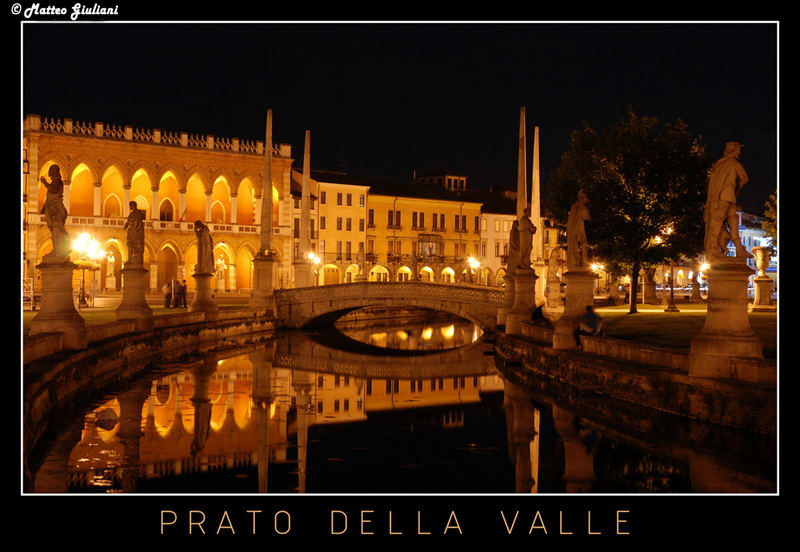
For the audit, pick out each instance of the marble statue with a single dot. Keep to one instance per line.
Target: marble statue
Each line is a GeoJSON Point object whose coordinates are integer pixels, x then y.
{"type": "Point", "coordinates": [205, 249]}
{"type": "Point", "coordinates": [576, 233]}
{"type": "Point", "coordinates": [725, 181]}
{"type": "Point", "coordinates": [526, 231]}
{"type": "Point", "coordinates": [55, 213]}
{"type": "Point", "coordinates": [554, 264]}
{"type": "Point", "coordinates": [512, 260]}
{"type": "Point", "coordinates": [135, 238]}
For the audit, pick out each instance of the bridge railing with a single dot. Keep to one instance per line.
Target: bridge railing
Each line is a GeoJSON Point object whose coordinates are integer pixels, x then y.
{"type": "Point", "coordinates": [461, 293]}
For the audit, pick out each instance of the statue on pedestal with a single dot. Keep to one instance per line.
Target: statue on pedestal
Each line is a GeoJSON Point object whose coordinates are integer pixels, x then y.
{"type": "Point", "coordinates": [56, 214]}
{"type": "Point", "coordinates": [135, 239]}
{"type": "Point", "coordinates": [576, 234]}
{"type": "Point", "coordinates": [526, 231]}
{"type": "Point", "coordinates": [512, 260]}
{"type": "Point", "coordinates": [725, 180]}
{"type": "Point", "coordinates": [205, 249]}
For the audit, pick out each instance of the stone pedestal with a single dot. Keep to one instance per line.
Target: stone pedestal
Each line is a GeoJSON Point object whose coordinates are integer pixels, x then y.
{"type": "Point", "coordinates": [539, 268]}
{"type": "Point", "coordinates": [579, 294]}
{"type": "Point", "coordinates": [303, 275]}
{"type": "Point", "coordinates": [58, 312]}
{"type": "Point", "coordinates": [726, 332]}
{"type": "Point", "coordinates": [762, 301]}
{"type": "Point", "coordinates": [134, 305]}
{"type": "Point", "coordinates": [203, 300]}
{"type": "Point", "coordinates": [508, 300]}
{"type": "Point", "coordinates": [553, 297]}
{"type": "Point", "coordinates": [524, 301]}
{"type": "Point", "coordinates": [263, 281]}
{"type": "Point", "coordinates": [649, 296]}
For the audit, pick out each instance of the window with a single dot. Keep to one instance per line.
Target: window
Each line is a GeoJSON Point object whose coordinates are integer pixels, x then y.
{"type": "Point", "coordinates": [457, 225]}
{"type": "Point", "coordinates": [361, 225]}
{"type": "Point", "coordinates": [463, 223]}
{"type": "Point", "coordinates": [338, 223]}
{"type": "Point", "coordinates": [349, 226]}
{"type": "Point", "coordinates": [496, 225]}
{"type": "Point", "coordinates": [371, 218]}
{"type": "Point", "coordinates": [441, 217]}
{"type": "Point", "coordinates": [477, 225]}
{"type": "Point", "coordinates": [422, 221]}
{"type": "Point", "coordinates": [338, 198]}
{"type": "Point", "coordinates": [336, 405]}
{"type": "Point", "coordinates": [435, 220]}
{"type": "Point", "coordinates": [414, 219]}
{"type": "Point", "coordinates": [496, 249]}
{"type": "Point", "coordinates": [390, 216]}
{"type": "Point", "coordinates": [397, 219]}
{"type": "Point", "coordinates": [322, 198]}
{"type": "Point", "coordinates": [361, 200]}
{"type": "Point", "coordinates": [296, 229]}
{"type": "Point", "coordinates": [369, 387]}
{"type": "Point", "coordinates": [349, 200]}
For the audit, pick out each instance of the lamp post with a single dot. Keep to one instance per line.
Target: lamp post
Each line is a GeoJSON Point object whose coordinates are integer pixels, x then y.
{"type": "Point", "coordinates": [90, 252]}
{"type": "Point", "coordinates": [315, 260]}
{"type": "Point", "coordinates": [473, 265]}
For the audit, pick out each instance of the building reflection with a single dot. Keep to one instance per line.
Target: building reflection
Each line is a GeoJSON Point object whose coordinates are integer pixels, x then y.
{"type": "Point", "coordinates": [249, 410]}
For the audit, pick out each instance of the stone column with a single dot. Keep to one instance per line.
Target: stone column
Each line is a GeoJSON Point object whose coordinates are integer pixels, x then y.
{"type": "Point", "coordinates": [762, 302]}
{"type": "Point", "coordinates": [579, 294]}
{"type": "Point", "coordinates": [67, 189]}
{"type": "Point", "coordinates": [58, 312]}
{"type": "Point", "coordinates": [726, 333]}
{"type": "Point", "coordinates": [234, 214]}
{"type": "Point", "coordinates": [208, 207]}
{"type": "Point", "coordinates": [130, 432]}
{"type": "Point", "coordinates": [302, 383]}
{"type": "Point", "coordinates": [523, 437]}
{"type": "Point", "coordinates": [303, 276]}
{"type": "Point", "coordinates": [202, 404]}
{"type": "Point", "coordinates": [126, 199]}
{"type": "Point", "coordinates": [97, 207]}
{"type": "Point", "coordinates": [578, 457]}
{"type": "Point", "coordinates": [262, 297]}
{"type": "Point", "coordinates": [154, 204]}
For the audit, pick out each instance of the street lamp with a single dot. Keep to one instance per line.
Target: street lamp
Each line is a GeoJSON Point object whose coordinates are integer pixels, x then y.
{"type": "Point", "coordinates": [473, 265]}
{"type": "Point", "coordinates": [90, 253]}
{"type": "Point", "coordinates": [315, 260]}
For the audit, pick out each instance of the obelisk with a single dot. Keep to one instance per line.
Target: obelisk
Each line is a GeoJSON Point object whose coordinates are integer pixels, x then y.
{"type": "Point", "coordinates": [262, 297]}
{"type": "Point", "coordinates": [524, 278]}
{"type": "Point", "coordinates": [539, 260]}
{"type": "Point", "coordinates": [508, 300]}
{"type": "Point", "coordinates": [302, 266]}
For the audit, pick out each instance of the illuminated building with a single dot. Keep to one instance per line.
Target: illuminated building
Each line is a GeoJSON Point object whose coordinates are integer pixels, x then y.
{"type": "Point", "coordinates": [429, 228]}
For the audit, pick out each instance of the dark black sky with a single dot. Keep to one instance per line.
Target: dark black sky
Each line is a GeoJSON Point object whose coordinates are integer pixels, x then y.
{"type": "Point", "coordinates": [388, 99]}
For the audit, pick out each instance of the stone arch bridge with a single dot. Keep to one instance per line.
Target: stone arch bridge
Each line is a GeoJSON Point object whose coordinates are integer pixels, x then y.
{"type": "Point", "coordinates": [303, 307]}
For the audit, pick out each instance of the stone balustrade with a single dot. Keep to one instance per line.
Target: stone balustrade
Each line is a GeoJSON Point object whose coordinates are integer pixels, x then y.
{"type": "Point", "coordinates": [149, 136]}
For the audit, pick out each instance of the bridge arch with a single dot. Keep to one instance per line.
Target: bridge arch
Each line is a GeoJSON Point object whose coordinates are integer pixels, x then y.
{"type": "Point", "coordinates": [299, 307]}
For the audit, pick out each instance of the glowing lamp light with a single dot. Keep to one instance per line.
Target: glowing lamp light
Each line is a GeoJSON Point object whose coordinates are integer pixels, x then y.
{"type": "Point", "coordinates": [473, 263]}
{"type": "Point", "coordinates": [448, 331]}
{"type": "Point", "coordinates": [427, 333]}
{"type": "Point", "coordinates": [704, 267]}
{"type": "Point", "coordinates": [313, 258]}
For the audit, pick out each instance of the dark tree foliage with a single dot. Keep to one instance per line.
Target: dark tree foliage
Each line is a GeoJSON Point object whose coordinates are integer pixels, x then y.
{"type": "Point", "coordinates": [646, 187]}
{"type": "Point", "coordinates": [770, 224]}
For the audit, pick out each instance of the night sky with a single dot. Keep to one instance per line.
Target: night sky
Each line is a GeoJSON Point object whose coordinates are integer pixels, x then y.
{"type": "Point", "coordinates": [384, 99]}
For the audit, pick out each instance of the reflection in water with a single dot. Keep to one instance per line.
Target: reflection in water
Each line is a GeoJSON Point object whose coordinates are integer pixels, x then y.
{"type": "Point", "coordinates": [296, 415]}
{"type": "Point", "coordinates": [413, 329]}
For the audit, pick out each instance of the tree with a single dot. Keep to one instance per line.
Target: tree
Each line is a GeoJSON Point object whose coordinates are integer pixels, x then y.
{"type": "Point", "coordinates": [770, 224]}
{"type": "Point", "coordinates": [646, 188]}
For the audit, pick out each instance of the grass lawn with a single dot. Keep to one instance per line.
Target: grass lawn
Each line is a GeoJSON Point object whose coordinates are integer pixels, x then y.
{"type": "Point", "coordinates": [676, 329]}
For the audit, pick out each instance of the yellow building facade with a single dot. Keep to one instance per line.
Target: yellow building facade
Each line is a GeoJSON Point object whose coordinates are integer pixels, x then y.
{"type": "Point", "coordinates": [360, 228]}
{"type": "Point", "coordinates": [175, 178]}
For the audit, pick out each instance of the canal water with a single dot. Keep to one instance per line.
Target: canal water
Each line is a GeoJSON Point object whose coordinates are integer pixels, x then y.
{"type": "Point", "coordinates": [383, 403]}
